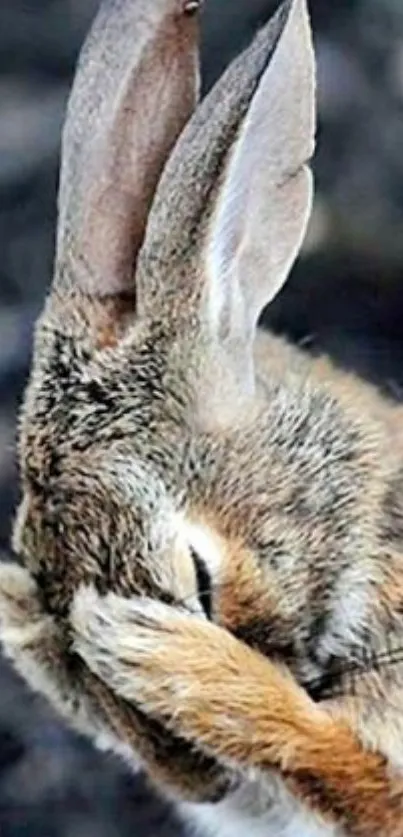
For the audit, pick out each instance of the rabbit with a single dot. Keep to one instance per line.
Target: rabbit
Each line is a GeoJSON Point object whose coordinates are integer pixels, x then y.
{"type": "Point", "coordinates": [210, 530]}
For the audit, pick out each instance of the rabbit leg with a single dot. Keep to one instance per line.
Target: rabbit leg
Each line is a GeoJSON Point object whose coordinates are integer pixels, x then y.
{"type": "Point", "coordinates": [36, 644]}
{"type": "Point", "coordinates": [32, 639]}
{"type": "Point", "coordinates": [215, 691]}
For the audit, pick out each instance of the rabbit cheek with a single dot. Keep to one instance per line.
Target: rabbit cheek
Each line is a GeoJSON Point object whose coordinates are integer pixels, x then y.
{"type": "Point", "coordinates": [238, 591]}
{"type": "Point", "coordinates": [245, 598]}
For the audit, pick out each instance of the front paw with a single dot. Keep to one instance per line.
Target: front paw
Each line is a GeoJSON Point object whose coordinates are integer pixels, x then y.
{"type": "Point", "coordinates": [19, 598]}
{"type": "Point", "coordinates": [147, 652]}
{"type": "Point", "coordinates": [26, 631]}
{"type": "Point", "coordinates": [193, 677]}
{"type": "Point", "coordinates": [33, 640]}
{"type": "Point", "coordinates": [187, 673]}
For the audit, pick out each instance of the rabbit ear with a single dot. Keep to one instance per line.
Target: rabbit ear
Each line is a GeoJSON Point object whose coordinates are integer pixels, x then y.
{"type": "Point", "coordinates": [231, 208]}
{"type": "Point", "coordinates": [135, 88]}
{"type": "Point", "coordinates": [264, 201]}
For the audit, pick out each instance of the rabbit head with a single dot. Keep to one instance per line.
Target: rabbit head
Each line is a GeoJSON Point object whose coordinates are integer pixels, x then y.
{"type": "Point", "coordinates": [154, 459]}
{"type": "Point", "coordinates": [144, 353]}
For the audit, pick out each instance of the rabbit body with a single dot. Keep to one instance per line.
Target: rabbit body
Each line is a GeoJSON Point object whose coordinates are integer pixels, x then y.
{"type": "Point", "coordinates": [211, 521]}
{"type": "Point", "coordinates": [320, 479]}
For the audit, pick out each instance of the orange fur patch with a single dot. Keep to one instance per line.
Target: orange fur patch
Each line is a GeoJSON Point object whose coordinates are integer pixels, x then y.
{"type": "Point", "coordinates": [257, 716]}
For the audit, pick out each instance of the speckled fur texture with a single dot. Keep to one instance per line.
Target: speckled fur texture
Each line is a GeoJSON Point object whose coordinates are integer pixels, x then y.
{"type": "Point", "coordinates": [211, 523]}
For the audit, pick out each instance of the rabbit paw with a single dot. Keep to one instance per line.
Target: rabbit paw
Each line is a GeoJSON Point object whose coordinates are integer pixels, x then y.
{"type": "Point", "coordinates": [173, 665]}
{"type": "Point", "coordinates": [19, 601]}
{"type": "Point", "coordinates": [190, 674]}
{"type": "Point", "coordinates": [146, 651]}
{"type": "Point", "coordinates": [32, 640]}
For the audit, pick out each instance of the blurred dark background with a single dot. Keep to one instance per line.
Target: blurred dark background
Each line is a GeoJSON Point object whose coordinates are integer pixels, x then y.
{"type": "Point", "coordinates": [345, 297]}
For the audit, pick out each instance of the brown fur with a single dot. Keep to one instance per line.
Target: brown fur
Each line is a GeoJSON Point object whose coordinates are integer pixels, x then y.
{"type": "Point", "coordinates": [257, 717]}
{"type": "Point", "coordinates": [151, 433]}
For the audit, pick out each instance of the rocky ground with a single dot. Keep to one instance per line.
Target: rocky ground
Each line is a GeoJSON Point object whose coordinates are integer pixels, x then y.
{"type": "Point", "coordinates": [345, 297]}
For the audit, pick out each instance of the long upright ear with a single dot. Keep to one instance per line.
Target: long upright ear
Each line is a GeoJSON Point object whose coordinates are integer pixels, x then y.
{"type": "Point", "coordinates": [264, 202]}
{"type": "Point", "coordinates": [135, 88]}
{"type": "Point", "coordinates": [231, 208]}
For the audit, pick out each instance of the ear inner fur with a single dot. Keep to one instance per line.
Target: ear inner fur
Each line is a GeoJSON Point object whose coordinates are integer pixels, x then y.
{"type": "Point", "coordinates": [186, 193]}
{"type": "Point", "coordinates": [135, 88]}
{"type": "Point", "coordinates": [265, 199]}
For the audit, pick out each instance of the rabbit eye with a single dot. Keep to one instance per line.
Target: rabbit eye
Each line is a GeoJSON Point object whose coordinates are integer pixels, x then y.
{"type": "Point", "coordinates": [203, 579]}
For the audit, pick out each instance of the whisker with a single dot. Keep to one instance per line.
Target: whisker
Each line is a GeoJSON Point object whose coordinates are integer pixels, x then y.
{"type": "Point", "coordinates": [369, 662]}
{"type": "Point", "coordinates": [373, 663]}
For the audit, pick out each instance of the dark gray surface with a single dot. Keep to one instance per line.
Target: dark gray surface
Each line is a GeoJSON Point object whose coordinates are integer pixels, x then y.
{"type": "Point", "coordinates": [345, 296]}
{"type": "Point", "coordinates": [53, 784]}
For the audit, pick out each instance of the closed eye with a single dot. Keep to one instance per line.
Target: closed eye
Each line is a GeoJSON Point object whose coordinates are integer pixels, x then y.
{"type": "Point", "coordinates": [204, 586]}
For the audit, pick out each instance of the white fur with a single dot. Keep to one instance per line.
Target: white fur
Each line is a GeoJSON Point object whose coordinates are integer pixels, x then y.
{"type": "Point", "coordinates": [27, 636]}
{"type": "Point", "coordinates": [265, 202]}
{"type": "Point", "coordinates": [257, 810]}
{"type": "Point", "coordinates": [204, 543]}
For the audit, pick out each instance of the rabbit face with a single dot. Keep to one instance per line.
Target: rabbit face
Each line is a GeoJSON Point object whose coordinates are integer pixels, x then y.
{"type": "Point", "coordinates": [144, 353]}
{"type": "Point", "coordinates": [130, 486]}
{"type": "Point", "coordinates": [157, 458]}
{"type": "Point", "coordinates": [97, 502]}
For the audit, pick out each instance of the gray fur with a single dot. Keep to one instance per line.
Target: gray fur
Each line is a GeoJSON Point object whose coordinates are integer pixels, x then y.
{"type": "Point", "coordinates": [139, 439]}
